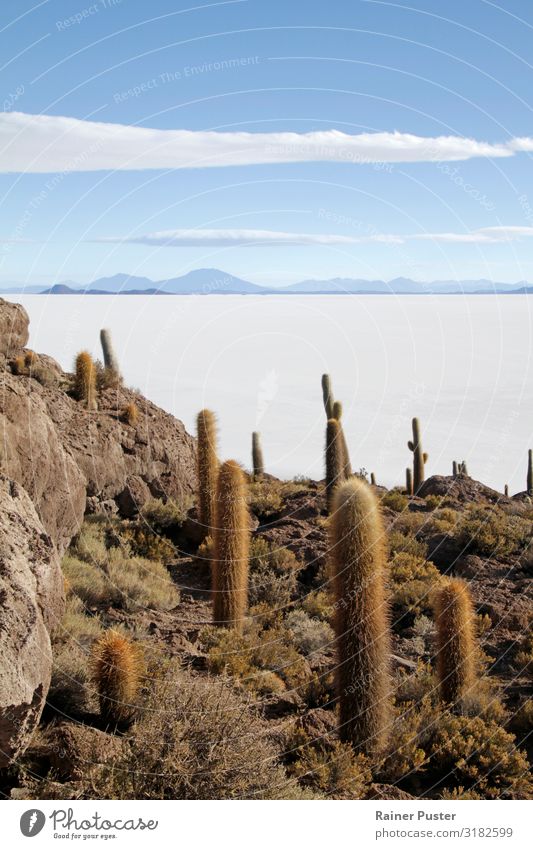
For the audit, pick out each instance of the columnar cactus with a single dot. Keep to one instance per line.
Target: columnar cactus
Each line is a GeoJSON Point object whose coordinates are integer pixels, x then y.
{"type": "Point", "coordinates": [408, 481]}
{"type": "Point", "coordinates": [463, 468]}
{"type": "Point", "coordinates": [454, 469]}
{"type": "Point", "coordinates": [110, 358]}
{"type": "Point", "coordinates": [347, 465]}
{"type": "Point", "coordinates": [506, 490]}
{"type": "Point", "coordinates": [372, 479]}
{"type": "Point", "coordinates": [85, 380]}
{"type": "Point", "coordinates": [456, 643]}
{"type": "Point", "coordinates": [335, 459]}
{"type": "Point", "coordinates": [231, 548]}
{"type": "Point", "coordinates": [207, 467]}
{"type": "Point", "coordinates": [327, 394]}
{"type": "Point", "coordinates": [530, 472]}
{"type": "Point", "coordinates": [419, 457]}
{"type": "Point", "coordinates": [357, 538]}
{"type": "Point", "coordinates": [257, 455]}
{"type": "Point", "coordinates": [116, 667]}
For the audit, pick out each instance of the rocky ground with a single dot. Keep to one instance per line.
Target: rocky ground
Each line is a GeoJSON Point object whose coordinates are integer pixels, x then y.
{"type": "Point", "coordinates": [219, 715]}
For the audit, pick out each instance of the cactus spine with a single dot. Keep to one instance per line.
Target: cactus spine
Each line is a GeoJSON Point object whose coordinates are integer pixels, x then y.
{"type": "Point", "coordinates": [110, 358]}
{"type": "Point", "coordinates": [419, 457]}
{"type": "Point", "coordinates": [116, 670]}
{"type": "Point", "coordinates": [207, 467]}
{"type": "Point", "coordinates": [257, 455]}
{"type": "Point", "coordinates": [85, 380]}
{"type": "Point", "coordinates": [456, 644]}
{"type": "Point", "coordinates": [327, 395]}
{"type": "Point", "coordinates": [408, 481]}
{"type": "Point", "coordinates": [363, 635]}
{"type": "Point", "coordinates": [530, 472]}
{"type": "Point", "coordinates": [231, 548]}
{"type": "Point", "coordinates": [335, 460]}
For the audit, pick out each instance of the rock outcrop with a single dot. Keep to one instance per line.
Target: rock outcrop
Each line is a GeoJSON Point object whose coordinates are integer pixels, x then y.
{"type": "Point", "coordinates": [31, 592]}
{"type": "Point", "coordinates": [57, 462]}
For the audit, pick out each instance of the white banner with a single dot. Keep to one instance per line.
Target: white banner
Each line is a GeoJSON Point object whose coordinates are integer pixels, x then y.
{"type": "Point", "coordinates": [256, 824]}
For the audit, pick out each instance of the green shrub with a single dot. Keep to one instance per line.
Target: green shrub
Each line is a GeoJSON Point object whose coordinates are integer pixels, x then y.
{"type": "Point", "coordinates": [400, 542]}
{"type": "Point", "coordinates": [395, 500]}
{"type": "Point", "coordinates": [328, 767]}
{"type": "Point", "coordinates": [162, 516]}
{"type": "Point", "coordinates": [265, 497]}
{"type": "Point", "coordinates": [492, 533]}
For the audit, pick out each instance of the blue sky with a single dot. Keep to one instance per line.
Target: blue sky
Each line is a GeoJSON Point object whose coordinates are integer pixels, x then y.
{"type": "Point", "coordinates": [450, 196]}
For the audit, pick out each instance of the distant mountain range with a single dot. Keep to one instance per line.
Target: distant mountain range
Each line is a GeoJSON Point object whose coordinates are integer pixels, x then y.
{"type": "Point", "coordinates": [212, 281]}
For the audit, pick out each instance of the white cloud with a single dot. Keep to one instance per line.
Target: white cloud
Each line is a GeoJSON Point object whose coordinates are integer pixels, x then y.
{"type": "Point", "coordinates": [241, 238]}
{"type": "Point", "coordinates": [257, 238]}
{"type": "Point", "coordinates": [46, 143]}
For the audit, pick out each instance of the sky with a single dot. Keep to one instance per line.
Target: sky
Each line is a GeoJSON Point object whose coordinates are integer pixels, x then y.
{"type": "Point", "coordinates": [277, 141]}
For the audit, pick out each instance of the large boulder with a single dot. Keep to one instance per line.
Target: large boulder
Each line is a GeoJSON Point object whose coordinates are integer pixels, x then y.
{"type": "Point", "coordinates": [14, 324]}
{"type": "Point", "coordinates": [31, 593]}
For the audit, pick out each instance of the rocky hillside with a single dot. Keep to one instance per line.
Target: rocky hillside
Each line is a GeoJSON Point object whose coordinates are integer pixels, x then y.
{"type": "Point", "coordinates": [58, 463]}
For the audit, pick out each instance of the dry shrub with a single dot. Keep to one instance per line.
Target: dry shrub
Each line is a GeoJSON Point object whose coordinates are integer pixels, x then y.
{"type": "Point", "coordinates": [492, 533]}
{"type": "Point", "coordinates": [164, 516]}
{"type": "Point", "coordinates": [70, 690]}
{"type": "Point", "coordinates": [407, 543]}
{"type": "Point", "coordinates": [309, 635]}
{"type": "Point", "coordinates": [319, 605]}
{"type": "Point", "coordinates": [197, 739]}
{"type": "Point", "coordinates": [395, 500]}
{"type": "Point", "coordinates": [145, 543]}
{"type": "Point", "coordinates": [328, 767]}
{"type": "Point", "coordinates": [413, 580]}
{"type": "Point", "coordinates": [265, 497]}
{"type": "Point", "coordinates": [273, 574]}
{"type": "Point", "coordinates": [130, 414]}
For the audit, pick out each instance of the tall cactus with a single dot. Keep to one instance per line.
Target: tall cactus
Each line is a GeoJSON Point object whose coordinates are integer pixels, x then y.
{"type": "Point", "coordinates": [327, 395]}
{"type": "Point", "coordinates": [419, 457]}
{"type": "Point", "coordinates": [530, 472]}
{"type": "Point", "coordinates": [456, 643]}
{"type": "Point", "coordinates": [257, 455]}
{"type": "Point", "coordinates": [372, 479]}
{"type": "Point", "coordinates": [116, 668]}
{"type": "Point", "coordinates": [110, 357]}
{"type": "Point", "coordinates": [347, 465]}
{"type": "Point", "coordinates": [231, 548]}
{"type": "Point", "coordinates": [357, 538]}
{"type": "Point", "coordinates": [85, 380]}
{"type": "Point", "coordinates": [454, 469]}
{"type": "Point", "coordinates": [506, 490]}
{"type": "Point", "coordinates": [207, 467]}
{"type": "Point", "coordinates": [335, 459]}
{"type": "Point", "coordinates": [408, 481]}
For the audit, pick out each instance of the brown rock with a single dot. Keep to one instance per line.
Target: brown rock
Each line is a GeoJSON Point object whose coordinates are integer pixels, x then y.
{"type": "Point", "coordinates": [133, 497]}
{"type": "Point", "coordinates": [74, 750]}
{"type": "Point", "coordinates": [461, 489]}
{"type": "Point", "coordinates": [31, 592]}
{"type": "Point", "coordinates": [14, 332]}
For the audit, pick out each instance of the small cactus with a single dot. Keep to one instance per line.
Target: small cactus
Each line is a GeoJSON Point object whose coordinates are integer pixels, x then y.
{"type": "Point", "coordinates": [85, 380]}
{"type": "Point", "coordinates": [530, 472]}
{"type": "Point", "coordinates": [327, 394]}
{"type": "Point", "coordinates": [230, 548]}
{"type": "Point", "coordinates": [110, 358]}
{"type": "Point", "coordinates": [419, 457]}
{"type": "Point", "coordinates": [116, 667]}
{"type": "Point", "coordinates": [130, 414]}
{"type": "Point", "coordinates": [506, 490]}
{"type": "Point", "coordinates": [335, 459]}
{"type": "Point", "coordinates": [357, 538]}
{"type": "Point", "coordinates": [257, 455]}
{"type": "Point", "coordinates": [207, 467]}
{"type": "Point", "coordinates": [372, 479]}
{"type": "Point", "coordinates": [408, 481]}
{"type": "Point", "coordinates": [456, 644]}
{"type": "Point", "coordinates": [454, 469]}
